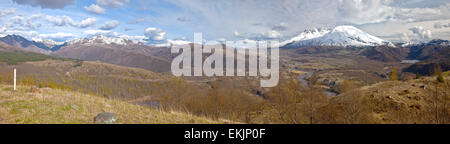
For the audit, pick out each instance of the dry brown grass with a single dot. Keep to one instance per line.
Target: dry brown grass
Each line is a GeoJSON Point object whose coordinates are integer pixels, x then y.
{"type": "Point", "coordinates": [400, 102]}
{"type": "Point", "coordinates": [52, 106]}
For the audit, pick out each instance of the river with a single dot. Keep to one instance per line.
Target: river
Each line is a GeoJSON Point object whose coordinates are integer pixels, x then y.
{"type": "Point", "coordinates": [304, 82]}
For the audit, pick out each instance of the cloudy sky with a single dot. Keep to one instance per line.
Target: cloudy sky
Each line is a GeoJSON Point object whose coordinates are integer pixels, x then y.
{"type": "Point", "coordinates": [154, 21]}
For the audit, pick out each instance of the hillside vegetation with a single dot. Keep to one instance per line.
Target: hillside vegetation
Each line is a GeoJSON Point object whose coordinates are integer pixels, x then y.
{"type": "Point", "coordinates": [75, 91]}
{"type": "Point", "coordinates": [423, 100]}
{"type": "Point", "coordinates": [53, 106]}
{"type": "Point", "coordinates": [95, 78]}
{"type": "Point", "coordinates": [16, 57]}
{"type": "Point", "coordinates": [409, 101]}
{"type": "Point", "coordinates": [136, 86]}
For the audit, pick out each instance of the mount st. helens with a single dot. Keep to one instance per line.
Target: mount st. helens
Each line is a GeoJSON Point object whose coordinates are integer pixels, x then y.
{"type": "Point", "coordinates": [340, 36]}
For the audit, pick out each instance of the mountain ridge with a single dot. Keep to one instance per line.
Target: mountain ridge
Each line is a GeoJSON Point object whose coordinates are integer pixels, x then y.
{"type": "Point", "coordinates": [19, 41]}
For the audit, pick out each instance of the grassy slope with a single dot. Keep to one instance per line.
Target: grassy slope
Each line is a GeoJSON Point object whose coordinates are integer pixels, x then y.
{"type": "Point", "coordinates": [398, 101]}
{"type": "Point", "coordinates": [90, 77]}
{"type": "Point", "coordinates": [16, 57]}
{"type": "Point", "coordinates": [57, 106]}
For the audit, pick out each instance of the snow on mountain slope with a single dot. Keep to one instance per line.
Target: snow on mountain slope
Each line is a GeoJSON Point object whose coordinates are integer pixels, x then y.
{"type": "Point", "coordinates": [101, 39]}
{"type": "Point", "coordinates": [48, 42]}
{"type": "Point", "coordinates": [339, 36]}
{"type": "Point", "coordinates": [307, 34]}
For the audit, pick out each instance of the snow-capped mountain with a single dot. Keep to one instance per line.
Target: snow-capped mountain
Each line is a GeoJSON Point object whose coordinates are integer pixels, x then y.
{"type": "Point", "coordinates": [407, 44]}
{"type": "Point", "coordinates": [48, 42]}
{"type": "Point", "coordinates": [306, 35]}
{"type": "Point", "coordinates": [101, 39]}
{"type": "Point", "coordinates": [340, 36]}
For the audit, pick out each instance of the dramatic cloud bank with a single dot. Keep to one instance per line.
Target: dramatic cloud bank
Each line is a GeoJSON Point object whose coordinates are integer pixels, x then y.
{"type": "Point", "coordinates": [159, 20]}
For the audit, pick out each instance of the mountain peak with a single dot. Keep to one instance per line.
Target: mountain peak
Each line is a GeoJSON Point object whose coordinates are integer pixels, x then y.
{"type": "Point", "coordinates": [307, 34]}
{"type": "Point", "coordinates": [344, 35]}
{"type": "Point", "coordinates": [346, 28]}
{"type": "Point", "coordinates": [16, 40]}
{"type": "Point", "coordinates": [15, 37]}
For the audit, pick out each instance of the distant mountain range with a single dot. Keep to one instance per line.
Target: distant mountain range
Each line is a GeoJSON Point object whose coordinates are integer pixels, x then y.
{"type": "Point", "coordinates": [118, 51]}
{"type": "Point", "coordinates": [339, 36]}
{"type": "Point", "coordinates": [122, 51]}
{"type": "Point", "coordinates": [19, 41]}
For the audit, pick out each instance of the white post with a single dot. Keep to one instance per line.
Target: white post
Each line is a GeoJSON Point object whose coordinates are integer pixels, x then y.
{"type": "Point", "coordinates": [14, 79]}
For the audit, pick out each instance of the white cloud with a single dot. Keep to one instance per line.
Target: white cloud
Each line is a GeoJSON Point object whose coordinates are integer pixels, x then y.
{"type": "Point", "coordinates": [66, 20]}
{"type": "Point", "coordinates": [112, 3]}
{"type": "Point", "coordinates": [93, 8]}
{"type": "Point", "coordinates": [24, 25]}
{"type": "Point", "coordinates": [134, 38]}
{"type": "Point", "coordinates": [246, 43]}
{"type": "Point", "coordinates": [368, 11]}
{"type": "Point", "coordinates": [85, 23]}
{"type": "Point", "coordinates": [51, 4]}
{"type": "Point", "coordinates": [236, 34]}
{"type": "Point", "coordinates": [109, 25]}
{"type": "Point", "coordinates": [376, 11]}
{"type": "Point", "coordinates": [273, 34]}
{"type": "Point", "coordinates": [178, 42]}
{"type": "Point", "coordinates": [58, 35]}
{"type": "Point", "coordinates": [100, 32]}
{"type": "Point", "coordinates": [405, 37]}
{"type": "Point", "coordinates": [7, 11]}
{"type": "Point", "coordinates": [26, 34]}
{"type": "Point", "coordinates": [34, 35]}
{"type": "Point", "coordinates": [222, 18]}
{"type": "Point", "coordinates": [255, 19]}
{"type": "Point", "coordinates": [58, 20]}
{"type": "Point", "coordinates": [17, 19]}
{"type": "Point", "coordinates": [3, 29]}
{"type": "Point", "coordinates": [36, 16]}
{"type": "Point", "coordinates": [155, 34]}
{"type": "Point", "coordinates": [421, 32]}
{"type": "Point", "coordinates": [419, 14]}
{"type": "Point", "coordinates": [25, 22]}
